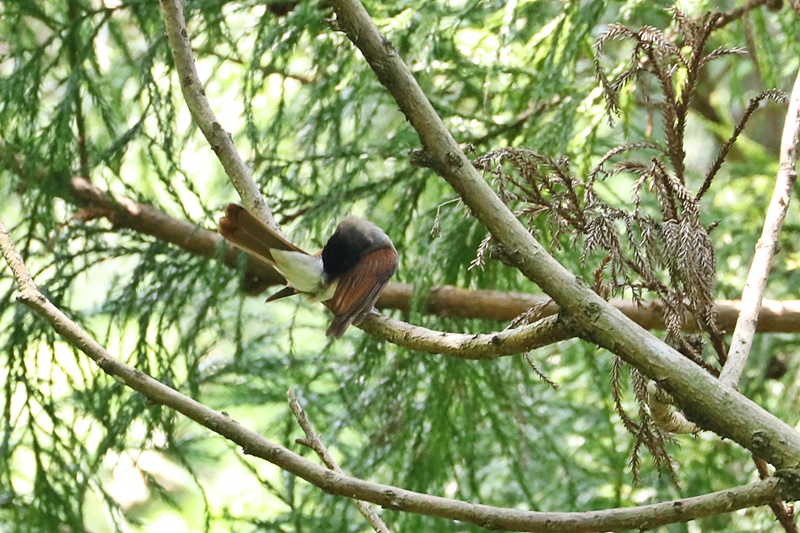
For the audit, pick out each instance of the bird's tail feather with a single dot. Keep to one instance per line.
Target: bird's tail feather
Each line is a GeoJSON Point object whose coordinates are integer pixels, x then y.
{"type": "Point", "coordinates": [244, 230]}
{"type": "Point", "coordinates": [283, 293]}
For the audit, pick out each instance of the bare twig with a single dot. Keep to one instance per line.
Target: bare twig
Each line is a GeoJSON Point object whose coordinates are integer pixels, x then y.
{"type": "Point", "coordinates": [644, 517]}
{"type": "Point", "coordinates": [721, 409]}
{"type": "Point", "coordinates": [756, 283]}
{"type": "Point", "coordinates": [737, 13]}
{"type": "Point", "coordinates": [767, 245]}
{"type": "Point", "coordinates": [73, 40]}
{"type": "Point", "coordinates": [202, 114]}
{"type": "Point", "coordinates": [314, 441]}
{"type": "Point", "coordinates": [784, 515]}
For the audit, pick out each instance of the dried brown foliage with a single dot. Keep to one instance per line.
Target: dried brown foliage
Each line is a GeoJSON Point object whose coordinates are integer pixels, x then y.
{"type": "Point", "coordinates": [657, 244]}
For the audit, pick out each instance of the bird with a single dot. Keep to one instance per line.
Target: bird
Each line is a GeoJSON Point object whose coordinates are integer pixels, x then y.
{"type": "Point", "coordinates": [349, 273]}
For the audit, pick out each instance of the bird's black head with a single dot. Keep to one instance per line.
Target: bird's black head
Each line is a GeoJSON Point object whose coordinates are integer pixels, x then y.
{"type": "Point", "coordinates": [353, 239]}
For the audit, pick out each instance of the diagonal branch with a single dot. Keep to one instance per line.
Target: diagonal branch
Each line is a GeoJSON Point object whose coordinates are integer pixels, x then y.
{"type": "Point", "coordinates": [767, 245]}
{"type": "Point", "coordinates": [314, 441]}
{"type": "Point", "coordinates": [720, 409]}
{"type": "Point", "coordinates": [202, 114]}
{"type": "Point", "coordinates": [644, 517]}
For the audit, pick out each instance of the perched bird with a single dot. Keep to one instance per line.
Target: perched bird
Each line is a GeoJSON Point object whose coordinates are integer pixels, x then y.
{"type": "Point", "coordinates": [351, 270]}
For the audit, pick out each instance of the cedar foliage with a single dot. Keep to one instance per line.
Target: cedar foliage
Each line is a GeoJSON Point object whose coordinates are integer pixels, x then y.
{"type": "Point", "coordinates": [664, 254]}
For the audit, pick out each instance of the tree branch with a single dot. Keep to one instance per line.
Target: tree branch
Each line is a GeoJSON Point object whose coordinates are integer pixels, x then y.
{"type": "Point", "coordinates": [547, 331]}
{"type": "Point", "coordinates": [143, 218]}
{"type": "Point", "coordinates": [644, 517]}
{"type": "Point", "coordinates": [784, 515]}
{"type": "Point", "coordinates": [711, 406]}
{"type": "Point", "coordinates": [314, 441]}
{"type": "Point", "coordinates": [775, 316]}
{"type": "Point", "coordinates": [767, 245]}
{"type": "Point", "coordinates": [202, 114]}
{"type": "Point", "coordinates": [737, 13]}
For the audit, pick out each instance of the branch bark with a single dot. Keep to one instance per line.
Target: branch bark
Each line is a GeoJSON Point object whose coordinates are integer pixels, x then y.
{"type": "Point", "coordinates": [703, 398]}
{"type": "Point", "coordinates": [774, 317]}
{"type": "Point", "coordinates": [767, 245]}
{"type": "Point", "coordinates": [472, 346]}
{"type": "Point", "coordinates": [644, 517]}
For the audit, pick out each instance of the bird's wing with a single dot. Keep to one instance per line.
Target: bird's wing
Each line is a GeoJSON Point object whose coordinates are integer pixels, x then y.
{"type": "Point", "coordinates": [359, 288]}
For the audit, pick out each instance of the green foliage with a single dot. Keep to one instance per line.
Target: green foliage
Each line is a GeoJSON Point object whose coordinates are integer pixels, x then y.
{"type": "Point", "coordinates": [88, 89]}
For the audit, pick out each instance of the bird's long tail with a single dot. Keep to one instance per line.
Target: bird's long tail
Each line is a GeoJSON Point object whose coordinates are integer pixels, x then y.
{"type": "Point", "coordinates": [244, 230]}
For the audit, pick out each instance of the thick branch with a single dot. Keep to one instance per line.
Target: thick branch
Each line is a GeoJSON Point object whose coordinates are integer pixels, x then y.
{"type": "Point", "coordinates": [707, 403]}
{"type": "Point", "coordinates": [775, 316]}
{"type": "Point", "coordinates": [195, 96]}
{"type": "Point", "coordinates": [644, 517]}
{"type": "Point", "coordinates": [767, 245]}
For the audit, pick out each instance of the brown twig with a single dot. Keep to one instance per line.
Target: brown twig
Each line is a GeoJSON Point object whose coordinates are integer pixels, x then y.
{"type": "Point", "coordinates": [644, 517]}
{"type": "Point", "coordinates": [767, 245]}
{"type": "Point", "coordinates": [734, 14]}
{"type": "Point", "coordinates": [124, 212]}
{"type": "Point", "coordinates": [73, 39]}
{"type": "Point", "coordinates": [313, 440]}
{"type": "Point", "coordinates": [785, 516]}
